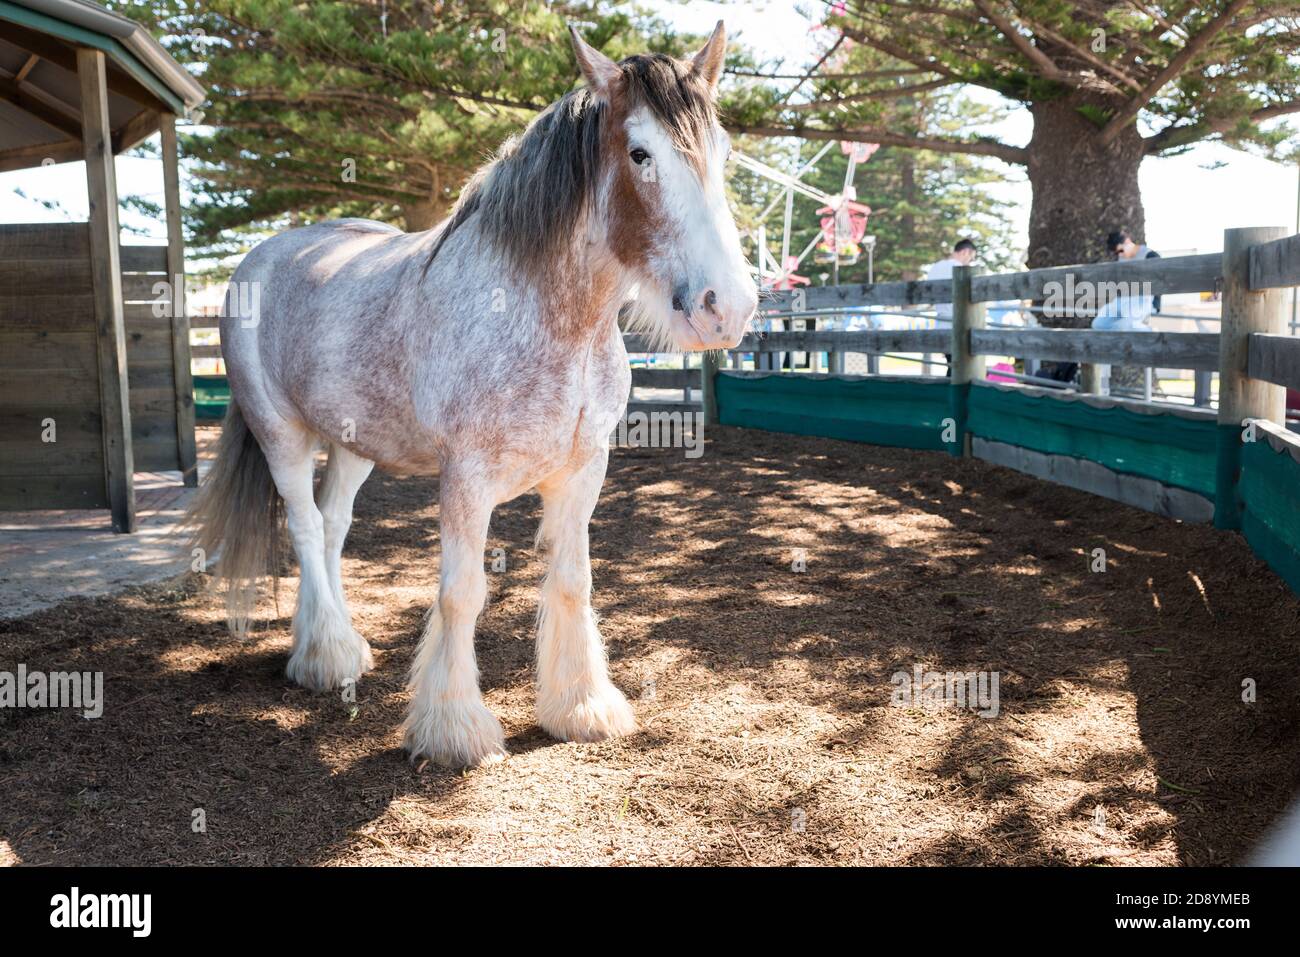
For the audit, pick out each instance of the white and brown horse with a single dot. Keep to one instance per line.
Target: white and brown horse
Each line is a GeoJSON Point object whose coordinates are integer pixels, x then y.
{"type": "Point", "coordinates": [486, 351]}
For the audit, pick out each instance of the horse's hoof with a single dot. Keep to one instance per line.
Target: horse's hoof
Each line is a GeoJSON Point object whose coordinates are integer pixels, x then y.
{"type": "Point", "coordinates": [454, 735]}
{"type": "Point", "coordinates": [323, 665]}
{"type": "Point", "coordinates": [599, 713]}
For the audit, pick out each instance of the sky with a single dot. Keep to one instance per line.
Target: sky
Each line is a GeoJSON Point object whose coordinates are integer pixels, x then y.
{"type": "Point", "coordinates": [1189, 199]}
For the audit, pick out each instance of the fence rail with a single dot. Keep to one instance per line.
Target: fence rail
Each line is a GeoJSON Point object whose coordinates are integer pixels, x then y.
{"type": "Point", "coordinates": [1174, 350]}
{"type": "Point", "coordinates": [1275, 265]}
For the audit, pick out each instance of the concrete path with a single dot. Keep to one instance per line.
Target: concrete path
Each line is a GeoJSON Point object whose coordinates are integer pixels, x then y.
{"type": "Point", "coordinates": [49, 556]}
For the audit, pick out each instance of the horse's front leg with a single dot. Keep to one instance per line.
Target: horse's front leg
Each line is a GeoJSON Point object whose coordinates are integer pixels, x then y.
{"type": "Point", "coordinates": [447, 721]}
{"type": "Point", "coordinates": [576, 701]}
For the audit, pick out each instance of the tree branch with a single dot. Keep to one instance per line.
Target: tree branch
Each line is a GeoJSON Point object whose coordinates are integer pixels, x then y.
{"type": "Point", "coordinates": [1002, 151]}
{"type": "Point", "coordinates": [885, 94]}
{"type": "Point", "coordinates": [1177, 64]}
{"type": "Point", "coordinates": [1172, 137]}
{"type": "Point", "coordinates": [1045, 64]}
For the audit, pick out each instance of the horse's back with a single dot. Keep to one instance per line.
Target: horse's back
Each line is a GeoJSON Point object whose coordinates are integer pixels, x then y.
{"type": "Point", "coordinates": [308, 325]}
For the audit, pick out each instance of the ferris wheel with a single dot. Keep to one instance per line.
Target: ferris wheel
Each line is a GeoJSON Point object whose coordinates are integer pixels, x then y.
{"type": "Point", "coordinates": [843, 220]}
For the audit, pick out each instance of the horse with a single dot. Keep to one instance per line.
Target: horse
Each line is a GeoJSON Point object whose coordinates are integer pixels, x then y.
{"type": "Point", "coordinates": [485, 351]}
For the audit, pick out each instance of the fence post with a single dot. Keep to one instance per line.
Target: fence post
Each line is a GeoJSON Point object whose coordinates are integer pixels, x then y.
{"type": "Point", "coordinates": [1201, 393]}
{"type": "Point", "coordinates": [1240, 397]}
{"type": "Point", "coordinates": [1090, 378]}
{"type": "Point", "coordinates": [964, 366]}
{"type": "Point", "coordinates": [709, 364]}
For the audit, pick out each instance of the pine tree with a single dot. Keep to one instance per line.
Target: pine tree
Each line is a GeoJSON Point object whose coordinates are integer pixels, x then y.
{"type": "Point", "coordinates": [1107, 82]}
{"type": "Point", "coordinates": [375, 108]}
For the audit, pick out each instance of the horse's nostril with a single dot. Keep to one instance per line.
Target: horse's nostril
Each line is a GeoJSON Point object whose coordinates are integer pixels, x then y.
{"type": "Point", "coordinates": [710, 300]}
{"type": "Point", "coordinates": [677, 304]}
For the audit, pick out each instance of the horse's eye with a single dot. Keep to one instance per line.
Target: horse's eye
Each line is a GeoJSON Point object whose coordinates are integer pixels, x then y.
{"type": "Point", "coordinates": [639, 156]}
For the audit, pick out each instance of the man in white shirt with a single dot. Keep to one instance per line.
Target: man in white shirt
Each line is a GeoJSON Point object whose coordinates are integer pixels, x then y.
{"type": "Point", "coordinates": [963, 254]}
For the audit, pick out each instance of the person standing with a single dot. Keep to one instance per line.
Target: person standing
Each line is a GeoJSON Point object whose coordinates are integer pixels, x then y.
{"type": "Point", "coordinates": [1126, 313]}
{"type": "Point", "coordinates": [963, 254]}
{"type": "Point", "coordinates": [1121, 245]}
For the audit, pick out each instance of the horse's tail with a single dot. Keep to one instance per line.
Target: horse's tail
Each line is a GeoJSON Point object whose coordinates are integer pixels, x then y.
{"type": "Point", "coordinates": [238, 512]}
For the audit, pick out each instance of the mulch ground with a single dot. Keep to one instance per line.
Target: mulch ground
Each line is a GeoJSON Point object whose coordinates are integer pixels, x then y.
{"type": "Point", "coordinates": [764, 693]}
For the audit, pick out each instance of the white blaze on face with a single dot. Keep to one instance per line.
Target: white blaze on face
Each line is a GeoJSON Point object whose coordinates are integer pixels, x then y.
{"type": "Point", "coordinates": [696, 258]}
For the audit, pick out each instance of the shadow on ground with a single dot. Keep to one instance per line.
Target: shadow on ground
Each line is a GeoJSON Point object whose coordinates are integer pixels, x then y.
{"type": "Point", "coordinates": [757, 602]}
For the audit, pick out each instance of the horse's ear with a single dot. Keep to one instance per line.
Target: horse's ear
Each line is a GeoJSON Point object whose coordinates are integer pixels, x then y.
{"type": "Point", "coordinates": [600, 71]}
{"type": "Point", "coordinates": [708, 62]}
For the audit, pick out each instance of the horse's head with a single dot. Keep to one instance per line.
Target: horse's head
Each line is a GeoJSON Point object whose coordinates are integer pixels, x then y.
{"type": "Point", "coordinates": [661, 195]}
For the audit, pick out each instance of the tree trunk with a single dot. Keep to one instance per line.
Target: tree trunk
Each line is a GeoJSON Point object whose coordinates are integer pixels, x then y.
{"type": "Point", "coordinates": [907, 222]}
{"type": "Point", "coordinates": [1082, 190]}
{"type": "Point", "coordinates": [422, 215]}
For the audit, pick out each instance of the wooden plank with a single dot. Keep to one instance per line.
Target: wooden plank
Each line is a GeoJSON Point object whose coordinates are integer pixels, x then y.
{"type": "Point", "coordinates": [1241, 397]}
{"type": "Point", "coordinates": [968, 317]}
{"type": "Point", "coordinates": [25, 493]}
{"type": "Point", "coordinates": [964, 365]}
{"type": "Point", "coordinates": [208, 322]}
{"type": "Point", "coordinates": [145, 344]}
{"type": "Point", "coordinates": [142, 287]}
{"type": "Point", "coordinates": [183, 383]}
{"type": "Point", "coordinates": [841, 340]}
{"type": "Point", "coordinates": [26, 423]}
{"type": "Point", "coordinates": [1274, 358]}
{"type": "Point", "coordinates": [101, 188]}
{"type": "Point", "coordinates": [1246, 312]}
{"type": "Point", "coordinates": [25, 157]}
{"type": "Point", "coordinates": [659, 378]}
{"type": "Point", "coordinates": [206, 352]}
{"type": "Point", "coordinates": [59, 121]}
{"type": "Point", "coordinates": [650, 408]}
{"type": "Point", "coordinates": [156, 455]}
{"type": "Point", "coordinates": [51, 311]}
{"type": "Point", "coordinates": [135, 131]}
{"type": "Point", "coordinates": [45, 277]}
{"type": "Point", "coordinates": [44, 240]}
{"type": "Point", "coordinates": [1275, 264]}
{"type": "Point", "coordinates": [708, 385]}
{"type": "Point", "coordinates": [140, 314]}
{"type": "Point", "coordinates": [1166, 275]}
{"type": "Point", "coordinates": [144, 259]}
{"type": "Point", "coordinates": [1172, 350]}
{"type": "Point", "coordinates": [1088, 476]}
{"type": "Point", "coordinates": [54, 352]}
{"type": "Point", "coordinates": [51, 458]}
{"type": "Point", "coordinates": [40, 386]}
{"type": "Point", "coordinates": [813, 298]}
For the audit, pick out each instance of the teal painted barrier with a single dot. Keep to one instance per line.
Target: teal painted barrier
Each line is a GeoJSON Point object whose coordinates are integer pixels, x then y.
{"type": "Point", "coordinates": [905, 413]}
{"type": "Point", "coordinates": [211, 396]}
{"type": "Point", "coordinates": [1176, 451]}
{"type": "Point", "coordinates": [1269, 501]}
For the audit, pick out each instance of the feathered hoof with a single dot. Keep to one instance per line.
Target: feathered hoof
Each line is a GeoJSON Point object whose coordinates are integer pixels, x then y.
{"type": "Point", "coordinates": [593, 714]}
{"type": "Point", "coordinates": [454, 734]}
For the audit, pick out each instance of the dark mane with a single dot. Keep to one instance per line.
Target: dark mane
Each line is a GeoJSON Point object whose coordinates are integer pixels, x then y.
{"type": "Point", "coordinates": [532, 197]}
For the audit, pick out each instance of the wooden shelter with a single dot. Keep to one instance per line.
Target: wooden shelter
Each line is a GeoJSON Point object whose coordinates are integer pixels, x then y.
{"type": "Point", "coordinates": [94, 362]}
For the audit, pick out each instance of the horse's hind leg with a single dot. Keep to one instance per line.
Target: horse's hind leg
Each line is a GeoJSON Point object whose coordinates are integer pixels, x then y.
{"type": "Point", "coordinates": [326, 651]}
{"type": "Point", "coordinates": [576, 701]}
{"type": "Point", "coordinates": [344, 476]}
{"type": "Point", "coordinates": [447, 721]}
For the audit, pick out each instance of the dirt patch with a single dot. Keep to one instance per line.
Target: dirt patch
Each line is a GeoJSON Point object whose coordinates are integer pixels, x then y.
{"type": "Point", "coordinates": [764, 693]}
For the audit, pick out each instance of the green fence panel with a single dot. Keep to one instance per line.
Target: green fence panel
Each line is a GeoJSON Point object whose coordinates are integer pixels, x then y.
{"type": "Point", "coordinates": [884, 411]}
{"type": "Point", "coordinates": [1176, 451]}
{"type": "Point", "coordinates": [1269, 489]}
{"type": "Point", "coordinates": [211, 396]}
